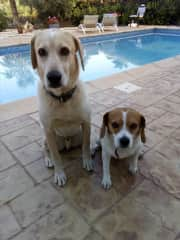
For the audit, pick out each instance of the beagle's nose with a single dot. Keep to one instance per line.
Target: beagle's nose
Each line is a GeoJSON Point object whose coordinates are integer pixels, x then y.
{"type": "Point", "coordinates": [124, 142]}
{"type": "Point", "coordinates": [54, 78]}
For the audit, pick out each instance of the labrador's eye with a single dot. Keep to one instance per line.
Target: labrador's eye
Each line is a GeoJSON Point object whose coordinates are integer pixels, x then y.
{"type": "Point", "coordinates": [64, 51]}
{"type": "Point", "coordinates": [133, 126]}
{"type": "Point", "coordinates": [114, 124]}
{"type": "Point", "coordinates": [42, 52]}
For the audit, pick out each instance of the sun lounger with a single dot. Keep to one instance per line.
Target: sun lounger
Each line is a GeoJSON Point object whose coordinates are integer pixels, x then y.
{"type": "Point", "coordinates": [90, 23]}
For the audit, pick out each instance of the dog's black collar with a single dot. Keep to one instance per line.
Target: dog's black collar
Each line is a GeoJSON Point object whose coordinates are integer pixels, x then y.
{"type": "Point", "coordinates": [116, 153]}
{"type": "Point", "coordinates": [64, 97]}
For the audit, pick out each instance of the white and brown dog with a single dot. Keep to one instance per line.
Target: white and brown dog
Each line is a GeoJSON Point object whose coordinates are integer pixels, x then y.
{"type": "Point", "coordinates": [122, 136]}
{"type": "Point", "coordinates": [63, 104]}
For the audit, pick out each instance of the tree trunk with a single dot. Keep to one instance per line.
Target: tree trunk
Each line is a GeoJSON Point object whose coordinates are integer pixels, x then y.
{"type": "Point", "coordinates": [15, 15]}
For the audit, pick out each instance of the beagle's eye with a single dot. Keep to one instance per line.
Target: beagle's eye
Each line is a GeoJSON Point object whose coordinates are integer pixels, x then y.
{"type": "Point", "coordinates": [64, 51]}
{"type": "Point", "coordinates": [133, 126]}
{"type": "Point", "coordinates": [114, 124]}
{"type": "Point", "coordinates": [42, 52]}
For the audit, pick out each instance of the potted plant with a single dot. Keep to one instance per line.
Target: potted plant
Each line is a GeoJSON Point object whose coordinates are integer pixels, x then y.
{"type": "Point", "coordinates": [53, 22]}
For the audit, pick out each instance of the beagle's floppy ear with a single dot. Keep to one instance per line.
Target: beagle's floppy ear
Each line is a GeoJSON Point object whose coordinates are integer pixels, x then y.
{"type": "Point", "coordinates": [33, 53]}
{"type": "Point", "coordinates": [80, 50]}
{"type": "Point", "coordinates": [142, 126]}
{"type": "Point", "coordinates": [104, 125]}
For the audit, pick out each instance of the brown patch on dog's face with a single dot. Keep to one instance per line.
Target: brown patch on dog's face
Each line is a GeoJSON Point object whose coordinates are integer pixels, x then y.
{"type": "Point", "coordinates": [136, 124]}
{"type": "Point", "coordinates": [53, 53]}
{"type": "Point", "coordinates": [115, 121]}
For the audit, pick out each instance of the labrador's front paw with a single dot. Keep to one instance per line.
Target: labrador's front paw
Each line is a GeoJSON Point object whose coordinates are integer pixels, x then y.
{"type": "Point", "coordinates": [106, 182]}
{"type": "Point", "coordinates": [60, 178]}
{"type": "Point", "coordinates": [133, 169]}
{"type": "Point", "coordinates": [48, 162]}
{"type": "Point", "coordinates": [88, 164]}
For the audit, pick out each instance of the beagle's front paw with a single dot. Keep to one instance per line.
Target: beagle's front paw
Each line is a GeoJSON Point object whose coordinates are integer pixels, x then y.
{"type": "Point", "coordinates": [60, 178]}
{"type": "Point", "coordinates": [88, 164]}
{"type": "Point", "coordinates": [106, 182]}
{"type": "Point", "coordinates": [48, 162]}
{"type": "Point", "coordinates": [133, 169]}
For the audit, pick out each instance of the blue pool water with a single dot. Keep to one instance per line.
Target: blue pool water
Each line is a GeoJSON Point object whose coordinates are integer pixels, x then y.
{"type": "Point", "coordinates": [104, 55]}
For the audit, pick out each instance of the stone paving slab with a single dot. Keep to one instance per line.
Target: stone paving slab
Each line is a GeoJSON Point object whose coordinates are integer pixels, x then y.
{"type": "Point", "coordinates": [38, 171]}
{"type": "Point", "coordinates": [8, 223]}
{"type": "Point", "coordinates": [61, 223]}
{"type": "Point", "coordinates": [29, 153]}
{"type": "Point", "coordinates": [35, 203]}
{"type": "Point", "coordinates": [22, 137]}
{"type": "Point", "coordinates": [162, 170]}
{"type": "Point", "coordinates": [165, 124]}
{"type": "Point", "coordinates": [6, 159]}
{"type": "Point", "coordinates": [14, 124]}
{"type": "Point", "coordinates": [135, 217]}
{"type": "Point", "coordinates": [13, 182]}
{"type": "Point", "coordinates": [86, 194]}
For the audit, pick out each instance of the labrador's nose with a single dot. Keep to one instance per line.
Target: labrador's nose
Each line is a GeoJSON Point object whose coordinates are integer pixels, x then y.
{"type": "Point", "coordinates": [54, 78]}
{"type": "Point", "coordinates": [124, 142]}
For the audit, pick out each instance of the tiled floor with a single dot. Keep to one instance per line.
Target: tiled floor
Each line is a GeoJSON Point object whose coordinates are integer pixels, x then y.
{"type": "Point", "coordinates": [145, 207]}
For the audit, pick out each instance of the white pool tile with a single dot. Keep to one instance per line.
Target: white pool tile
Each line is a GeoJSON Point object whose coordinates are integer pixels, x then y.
{"type": "Point", "coordinates": [127, 87]}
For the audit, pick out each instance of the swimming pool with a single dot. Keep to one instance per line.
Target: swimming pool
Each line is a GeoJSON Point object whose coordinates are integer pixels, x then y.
{"type": "Point", "coordinates": [104, 55]}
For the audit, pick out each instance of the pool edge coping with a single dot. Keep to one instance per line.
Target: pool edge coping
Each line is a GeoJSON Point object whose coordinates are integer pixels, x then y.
{"type": "Point", "coordinates": [29, 105]}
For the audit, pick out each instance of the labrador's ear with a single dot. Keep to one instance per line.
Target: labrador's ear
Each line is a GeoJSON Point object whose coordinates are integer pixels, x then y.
{"type": "Point", "coordinates": [33, 53]}
{"type": "Point", "coordinates": [142, 126]}
{"type": "Point", "coordinates": [104, 125]}
{"type": "Point", "coordinates": [79, 49]}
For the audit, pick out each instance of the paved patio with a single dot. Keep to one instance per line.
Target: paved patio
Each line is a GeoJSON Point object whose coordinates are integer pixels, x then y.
{"type": "Point", "coordinates": [145, 207]}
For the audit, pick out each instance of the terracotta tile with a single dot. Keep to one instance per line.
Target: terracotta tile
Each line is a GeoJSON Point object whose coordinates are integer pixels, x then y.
{"type": "Point", "coordinates": [97, 119]}
{"type": "Point", "coordinates": [148, 96]}
{"type": "Point", "coordinates": [61, 223]}
{"type": "Point", "coordinates": [111, 81]}
{"type": "Point", "coordinates": [115, 93]}
{"type": "Point", "coordinates": [165, 125]}
{"type": "Point", "coordinates": [35, 116]}
{"type": "Point", "coordinates": [122, 180]}
{"type": "Point", "coordinates": [168, 63]}
{"type": "Point", "coordinates": [14, 124]}
{"type": "Point", "coordinates": [29, 153]}
{"type": "Point", "coordinates": [93, 236]}
{"type": "Point", "coordinates": [177, 93]}
{"type": "Point", "coordinates": [8, 223]}
{"type": "Point", "coordinates": [152, 138]}
{"type": "Point", "coordinates": [38, 171]}
{"type": "Point", "coordinates": [97, 108]}
{"type": "Point", "coordinates": [6, 159]}
{"type": "Point", "coordinates": [143, 71]}
{"type": "Point", "coordinates": [105, 99]}
{"type": "Point", "coordinates": [90, 88]}
{"type": "Point", "coordinates": [125, 103]}
{"type": "Point", "coordinates": [152, 113]}
{"type": "Point", "coordinates": [173, 98]}
{"type": "Point", "coordinates": [22, 137]}
{"type": "Point", "coordinates": [132, 218]}
{"type": "Point", "coordinates": [18, 108]}
{"type": "Point", "coordinates": [166, 105]}
{"type": "Point", "coordinates": [162, 170]}
{"type": "Point", "coordinates": [13, 182]}
{"type": "Point", "coordinates": [87, 194]}
{"type": "Point", "coordinates": [43, 198]}
{"type": "Point", "coordinates": [157, 200]}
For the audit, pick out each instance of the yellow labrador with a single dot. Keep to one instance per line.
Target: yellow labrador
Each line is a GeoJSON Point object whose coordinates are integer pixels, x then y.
{"type": "Point", "coordinates": [63, 104]}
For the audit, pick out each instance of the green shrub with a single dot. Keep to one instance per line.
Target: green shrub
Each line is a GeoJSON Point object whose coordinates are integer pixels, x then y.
{"type": "Point", "coordinates": [80, 10]}
{"type": "Point", "coordinates": [3, 20]}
